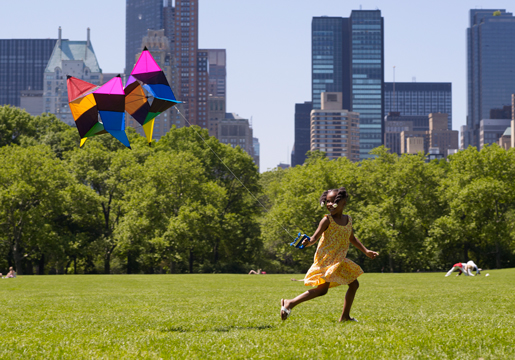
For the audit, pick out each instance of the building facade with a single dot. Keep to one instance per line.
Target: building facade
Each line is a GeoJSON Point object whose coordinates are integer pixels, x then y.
{"type": "Point", "coordinates": [330, 58]}
{"type": "Point", "coordinates": [490, 130]}
{"type": "Point", "coordinates": [395, 123]}
{"type": "Point", "coordinates": [335, 130]}
{"type": "Point", "coordinates": [236, 131]}
{"type": "Point", "coordinates": [22, 65]}
{"type": "Point", "coordinates": [367, 64]}
{"type": "Point", "coordinates": [69, 58]}
{"type": "Point", "coordinates": [302, 133]}
{"type": "Point", "coordinates": [505, 139]}
{"type": "Point", "coordinates": [348, 57]}
{"type": "Point", "coordinates": [418, 99]}
{"type": "Point", "coordinates": [490, 67]}
{"type": "Point", "coordinates": [32, 101]}
{"type": "Point", "coordinates": [437, 140]}
{"type": "Point", "coordinates": [216, 88]}
{"type": "Point", "coordinates": [140, 16]}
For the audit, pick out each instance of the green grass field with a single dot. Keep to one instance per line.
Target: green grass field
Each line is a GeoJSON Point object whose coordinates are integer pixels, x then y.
{"type": "Point", "coordinates": [401, 316]}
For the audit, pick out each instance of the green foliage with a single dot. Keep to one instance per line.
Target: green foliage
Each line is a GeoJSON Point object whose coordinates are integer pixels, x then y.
{"type": "Point", "coordinates": [417, 215]}
{"type": "Point", "coordinates": [401, 316]}
{"type": "Point", "coordinates": [189, 203]}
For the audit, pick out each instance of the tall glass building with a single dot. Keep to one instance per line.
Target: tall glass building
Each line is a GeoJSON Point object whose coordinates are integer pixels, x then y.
{"type": "Point", "coordinates": [22, 67]}
{"type": "Point", "coordinates": [418, 99]}
{"type": "Point", "coordinates": [329, 58]}
{"type": "Point", "coordinates": [368, 77]}
{"type": "Point", "coordinates": [348, 57]}
{"type": "Point", "coordinates": [490, 67]}
{"type": "Point", "coordinates": [140, 16]}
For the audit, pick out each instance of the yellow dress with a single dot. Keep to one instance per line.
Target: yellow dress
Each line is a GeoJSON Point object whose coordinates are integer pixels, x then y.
{"type": "Point", "coordinates": [330, 264]}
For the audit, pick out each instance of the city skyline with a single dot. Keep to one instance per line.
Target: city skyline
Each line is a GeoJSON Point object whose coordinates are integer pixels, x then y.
{"type": "Point", "coordinates": [272, 62]}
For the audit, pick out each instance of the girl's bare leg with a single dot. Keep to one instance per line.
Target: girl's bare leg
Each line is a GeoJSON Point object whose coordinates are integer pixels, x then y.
{"type": "Point", "coordinates": [320, 290]}
{"type": "Point", "coordinates": [349, 298]}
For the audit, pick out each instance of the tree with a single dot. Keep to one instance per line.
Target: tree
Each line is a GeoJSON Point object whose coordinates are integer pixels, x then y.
{"type": "Point", "coordinates": [32, 182]}
{"type": "Point", "coordinates": [105, 166]}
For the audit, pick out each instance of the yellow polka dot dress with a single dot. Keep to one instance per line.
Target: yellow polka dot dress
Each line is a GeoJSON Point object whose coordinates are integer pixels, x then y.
{"type": "Point", "coordinates": [331, 264]}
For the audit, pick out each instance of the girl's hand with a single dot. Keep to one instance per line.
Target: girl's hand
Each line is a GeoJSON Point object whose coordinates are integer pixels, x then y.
{"type": "Point", "coordinates": [306, 242]}
{"type": "Point", "coordinates": [371, 254]}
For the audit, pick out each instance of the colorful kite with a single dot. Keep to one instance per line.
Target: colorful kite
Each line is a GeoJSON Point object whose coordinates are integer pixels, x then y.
{"type": "Point", "coordinates": [146, 95]}
{"type": "Point", "coordinates": [110, 99]}
{"type": "Point", "coordinates": [148, 75]}
{"type": "Point", "coordinates": [84, 108]}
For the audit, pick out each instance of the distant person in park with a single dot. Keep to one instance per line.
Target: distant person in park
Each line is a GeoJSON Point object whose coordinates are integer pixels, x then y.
{"type": "Point", "coordinates": [11, 273]}
{"type": "Point", "coordinates": [473, 267]}
{"type": "Point", "coordinates": [331, 267]}
{"type": "Point", "coordinates": [461, 268]}
{"type": "Point", "coordinates": [258, 272]}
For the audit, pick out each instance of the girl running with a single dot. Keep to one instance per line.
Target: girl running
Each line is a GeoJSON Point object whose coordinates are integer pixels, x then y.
{"type": "Point", "coordinates": [331, 267]}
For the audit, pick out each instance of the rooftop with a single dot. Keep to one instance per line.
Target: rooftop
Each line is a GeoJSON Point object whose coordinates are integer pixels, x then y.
{"type": "Point", "coordinates": [73, 50]}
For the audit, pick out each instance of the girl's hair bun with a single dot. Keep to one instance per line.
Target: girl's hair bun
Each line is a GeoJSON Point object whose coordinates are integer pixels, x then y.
{"type": "Point", "coordinates": [341, 194]}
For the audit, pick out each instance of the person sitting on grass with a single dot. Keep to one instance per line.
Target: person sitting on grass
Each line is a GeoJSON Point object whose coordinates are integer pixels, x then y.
{"type": "Point", "coordinates": [11, 273]}
{"type": "Point", "coordinates": [331, 267]}
{"type": "Point", "coordinates": [461, 268]}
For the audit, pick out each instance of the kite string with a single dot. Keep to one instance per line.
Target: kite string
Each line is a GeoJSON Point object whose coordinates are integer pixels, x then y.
{"type": "Point", "coordinates": [251, 194]}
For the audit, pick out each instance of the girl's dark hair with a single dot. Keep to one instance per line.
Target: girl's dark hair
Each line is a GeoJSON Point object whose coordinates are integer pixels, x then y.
{"type": "Point", "coordinates": [341, 194]}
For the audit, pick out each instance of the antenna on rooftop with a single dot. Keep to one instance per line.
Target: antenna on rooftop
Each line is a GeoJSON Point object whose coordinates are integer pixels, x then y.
{"type": "Point", "coordinates": [394, 107]}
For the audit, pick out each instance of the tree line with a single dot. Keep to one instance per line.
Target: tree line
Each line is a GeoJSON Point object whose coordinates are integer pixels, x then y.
{"type": "Point", "coordinates": [174, 207]}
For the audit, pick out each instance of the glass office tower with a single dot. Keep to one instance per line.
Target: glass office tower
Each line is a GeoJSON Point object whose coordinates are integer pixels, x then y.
{"type": "Point", "coordinates": [302, 133]}
{"type": "Point", "coordinates": [329, 58]}
{"type": "Point", "coordinates": [22, 67]}
{"type": "Point", "coordinates": [490, 67]}
{"type": "Point", "coordinates": [140, 16]}
{"type": "Point", "coordinates": [367, 69]}
{"type": "Point", "coordinates": [418, 99]}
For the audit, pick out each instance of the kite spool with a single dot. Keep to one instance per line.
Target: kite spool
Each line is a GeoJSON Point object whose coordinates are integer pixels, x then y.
{"type": "Point", "coordinates": [298, 241]}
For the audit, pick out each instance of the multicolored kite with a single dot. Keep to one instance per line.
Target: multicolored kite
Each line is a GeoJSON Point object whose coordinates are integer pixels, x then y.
{"type": "Point", "coordinates": [84, 108]}
{"type": "Point", "coordinates": [110, 99]}
{"type": "Point", "coordinates": [148, 75]}
{"type": "Point", "coordinates": [146, 95]}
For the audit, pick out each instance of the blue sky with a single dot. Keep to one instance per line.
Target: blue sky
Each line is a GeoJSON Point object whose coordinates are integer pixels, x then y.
{"type": "Point", "coordinates": [268, 48]}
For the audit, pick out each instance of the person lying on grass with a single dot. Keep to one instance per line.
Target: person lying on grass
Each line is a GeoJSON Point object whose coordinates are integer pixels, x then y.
{"type": "Point", "coordinates": [258, 272]}
{"type": "Point", "coordinates": [331, 267]}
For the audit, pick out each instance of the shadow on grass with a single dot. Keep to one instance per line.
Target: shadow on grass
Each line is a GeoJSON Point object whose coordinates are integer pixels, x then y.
{"type": "Point", "coordinates": [181, 329]}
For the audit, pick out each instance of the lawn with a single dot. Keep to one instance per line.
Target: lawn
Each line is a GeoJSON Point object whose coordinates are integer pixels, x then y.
{"type": "Point", "coordinates": [401, 316]}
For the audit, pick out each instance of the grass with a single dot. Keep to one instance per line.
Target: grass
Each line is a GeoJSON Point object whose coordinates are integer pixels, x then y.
{"type": "Point", "coordinates": [401, 316]}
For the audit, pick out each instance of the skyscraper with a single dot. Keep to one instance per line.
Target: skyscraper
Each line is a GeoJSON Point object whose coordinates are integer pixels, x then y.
{"type": "Point", "coordinates": [348, 57]}
{"type": "Point", "coordinates": [418, 99]}
{"type": "Point", "coordinates": [301, 143]}
{"type": "Point", "coordinates": [140, 16]}
{"type": "Point", "coordinates": [22, 64]}
{"type": "Point", "coordinates": [186, 54]}
{"type": "Point", "coordinates": [216, 88]}
{"type": "Point", "coordinates": [330, 68]}
{"type": "Point", "coordinates": [490, 67]}
{"type": "Point", "coordinates": [367, 64]}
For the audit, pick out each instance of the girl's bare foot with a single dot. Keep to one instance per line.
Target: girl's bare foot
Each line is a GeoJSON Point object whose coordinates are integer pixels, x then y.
{"type": "Point", "coordinates": [285, 304]}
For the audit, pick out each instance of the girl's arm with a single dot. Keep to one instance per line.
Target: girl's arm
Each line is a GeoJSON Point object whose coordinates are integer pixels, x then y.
{"type": "Point", "coordinates": [324, 224]}
{"type": "Point", "coordinates": [354, 240]}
